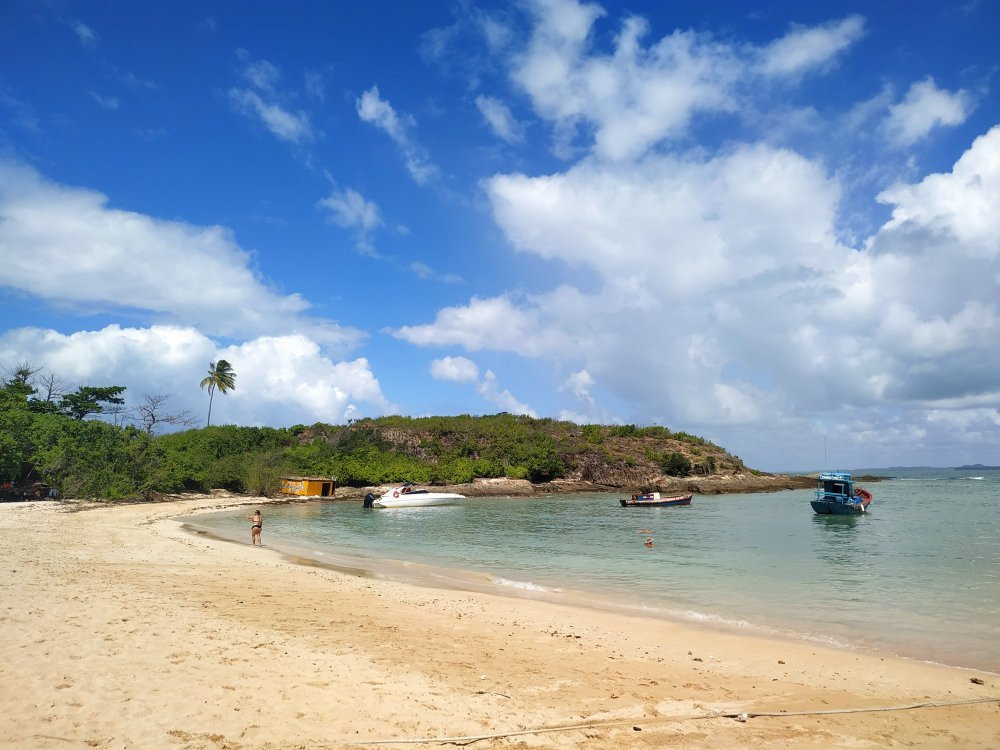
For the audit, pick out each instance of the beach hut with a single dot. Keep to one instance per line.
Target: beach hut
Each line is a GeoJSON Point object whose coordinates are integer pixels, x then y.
{"type": "Point", "coordinates": [308, 486]}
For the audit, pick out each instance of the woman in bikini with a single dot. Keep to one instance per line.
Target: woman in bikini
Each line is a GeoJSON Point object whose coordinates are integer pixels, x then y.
{"type": "Point", "coordinates": [255, 529]}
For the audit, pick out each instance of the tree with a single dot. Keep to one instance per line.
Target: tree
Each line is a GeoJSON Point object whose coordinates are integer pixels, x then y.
{"type": "Point", "coordinates": [675, 465]}
{"type": "Point", "coordinates": [220, 376]}
{"type": "Point", "coordinates": [51, 387]}
{"type": "Point", "coordinates": [89, 399]}
{"type": "Point", "coordinates": [151, 413]}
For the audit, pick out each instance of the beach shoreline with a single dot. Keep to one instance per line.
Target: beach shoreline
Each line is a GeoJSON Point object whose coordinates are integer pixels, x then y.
{"type": "Point", "coordinates": [121, 629]}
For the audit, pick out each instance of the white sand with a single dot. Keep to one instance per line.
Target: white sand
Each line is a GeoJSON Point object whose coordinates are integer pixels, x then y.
{"type": "Point", "coordinates": [120, 630]}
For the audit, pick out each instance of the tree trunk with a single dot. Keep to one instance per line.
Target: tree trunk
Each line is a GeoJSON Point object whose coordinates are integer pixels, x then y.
{"type": "Point", "coordinates": [211, 395]}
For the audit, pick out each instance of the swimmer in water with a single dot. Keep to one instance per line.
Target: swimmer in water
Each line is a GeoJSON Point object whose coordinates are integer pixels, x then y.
{"type": "Point", "coordinates": [649, 541]}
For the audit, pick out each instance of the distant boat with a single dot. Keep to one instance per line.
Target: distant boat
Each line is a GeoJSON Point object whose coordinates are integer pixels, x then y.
{"type": "Point", "coordinates": [836, 495]}
{"type": "Point", "coordinates": [654, 500]}
{"type": "Point", "coordinates": [409, 495]}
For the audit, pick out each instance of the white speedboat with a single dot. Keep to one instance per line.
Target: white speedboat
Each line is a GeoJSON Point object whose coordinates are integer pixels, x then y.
{"type": "Point", "coordinates": [409, 495]}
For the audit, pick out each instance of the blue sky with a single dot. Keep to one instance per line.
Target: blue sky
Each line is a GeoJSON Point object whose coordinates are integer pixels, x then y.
{"type": "Point", "coordinates": [776, 225]}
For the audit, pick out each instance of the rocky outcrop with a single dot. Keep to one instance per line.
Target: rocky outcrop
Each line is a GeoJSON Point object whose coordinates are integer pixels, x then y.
{"type": "Point", "coordinates": [713, 485]}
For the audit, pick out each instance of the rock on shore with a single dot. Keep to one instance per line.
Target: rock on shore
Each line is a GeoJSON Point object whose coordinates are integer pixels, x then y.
{"type": "Point", "coordinates": [710, 485]}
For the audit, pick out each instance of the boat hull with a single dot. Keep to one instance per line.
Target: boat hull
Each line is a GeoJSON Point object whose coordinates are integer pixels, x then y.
{"type": "Point", "coordinates": [832, 508]}
{"type": "Point", "coordinates": [663, 502]}
{"type": "Point", "coordinates": [418, 500]}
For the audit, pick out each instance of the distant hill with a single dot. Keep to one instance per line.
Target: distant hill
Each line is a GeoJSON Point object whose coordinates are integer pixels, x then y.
{"type": "Point", "coordinates": [550, 454]}
{"type": "Point", "coordinates": [977, 467]}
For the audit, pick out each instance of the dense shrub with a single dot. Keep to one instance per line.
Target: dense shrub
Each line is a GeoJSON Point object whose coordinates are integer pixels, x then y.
{"type": "Point", "coordinates": [675, 465]}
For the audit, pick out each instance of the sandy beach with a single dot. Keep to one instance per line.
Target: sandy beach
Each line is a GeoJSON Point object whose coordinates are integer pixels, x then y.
{"type": "Point", "coordinates": [119, 629]}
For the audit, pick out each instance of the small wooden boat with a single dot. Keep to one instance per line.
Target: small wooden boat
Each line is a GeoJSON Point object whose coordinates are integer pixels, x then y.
{"type": "Point", "coordinates": [654, 500]}
{"type": "Point", "coordinates": [836, 495]}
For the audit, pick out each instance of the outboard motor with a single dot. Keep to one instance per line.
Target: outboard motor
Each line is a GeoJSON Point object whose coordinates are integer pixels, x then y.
{"type": "Point", "coordinates": [369, 499]}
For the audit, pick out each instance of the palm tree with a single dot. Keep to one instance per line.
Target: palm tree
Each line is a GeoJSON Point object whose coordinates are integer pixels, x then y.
{"type": "Point", "coordinates": [221, 376]}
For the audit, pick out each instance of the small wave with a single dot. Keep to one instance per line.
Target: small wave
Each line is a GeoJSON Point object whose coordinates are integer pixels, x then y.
{"type": "Point", "coordinates": [524, 585]}
{"type": "Point", "coordinates": [980, 479]}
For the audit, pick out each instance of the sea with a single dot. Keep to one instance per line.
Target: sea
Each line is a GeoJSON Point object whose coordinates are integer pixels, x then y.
{"type": "Point", "coordinates": [918, 576]}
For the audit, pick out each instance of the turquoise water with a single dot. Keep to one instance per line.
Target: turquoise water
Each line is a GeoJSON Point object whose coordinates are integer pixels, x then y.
{"type": "Point", "coordinates": [918, 576]}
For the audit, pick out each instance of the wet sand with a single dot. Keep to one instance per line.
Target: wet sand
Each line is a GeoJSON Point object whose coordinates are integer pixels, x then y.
{"type": "Point", "coordinates": [119, 629]}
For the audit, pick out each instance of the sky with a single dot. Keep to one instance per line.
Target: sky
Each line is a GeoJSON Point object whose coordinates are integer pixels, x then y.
{"type": "Point", "coordinates": [775, 224]}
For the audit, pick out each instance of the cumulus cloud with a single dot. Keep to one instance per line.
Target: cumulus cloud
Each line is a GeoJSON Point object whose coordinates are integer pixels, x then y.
{"type": "Point", "coordinates": [644, 92]}
{"type": "Point", "coordinates": [496, 323]}
{"type": "Point", "coordinates": [499, 118]}
{"type": "Point", "coordinates": [490, 390]}
{"type": "Point", "coordinates": [924, 108]}
{"type": "Point", "coordinates": [960, 204]}
{"type": "Point", "coordinates": [455, 369]}
{"type": "Point", "coordinates": [633, 97]}
{"type": "Point", "coordinates": [280, 380]}
{"type": "Point", "coordinates": [65, 245]}
{"type": "Point", "coordinates": [373, 109]}
{"type": "Point", "coordinates": [723, 276]}
{"type": "Point", "coordinates": [579, 384]}
{"type": "Point", "coordinates": [807, 48]}
{"type": "Point", "coordinates": [464, 370]}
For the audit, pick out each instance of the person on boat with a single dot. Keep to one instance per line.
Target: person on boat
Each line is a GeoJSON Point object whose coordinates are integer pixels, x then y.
{"type": "Point", "coordinates": [256, 528]}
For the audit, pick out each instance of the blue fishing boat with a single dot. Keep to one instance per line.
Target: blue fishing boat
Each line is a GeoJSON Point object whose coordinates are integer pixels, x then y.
{"type": "Point", "coordinates": [836, 495]}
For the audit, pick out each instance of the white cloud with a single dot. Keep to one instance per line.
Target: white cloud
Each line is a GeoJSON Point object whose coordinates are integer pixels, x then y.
{"type": "Point", "coordinates": [924, 108]}
{"type": "Point", "coordinates": [373, 109]}
{"type": "Point", "coordinates": [108, 102]}
{"type": "Point", "coordinates": [491, 391]}
{"type": "Point", "coordinates": [280, 380]}
{"type": "Point", "coordinates": [500, 119]}
{"type": "Point", "coordinates": [807, 48]}
{"type": "Point", "coordinates": [265, 103]}
{"type": "Point", "coordinates": [640, 94]}
{"type": "Point", "coordinates": [961, 204]}
{"type": "Point", "coordinates": [455, 369]}
{"type": "Point", "coordinates": [315, 85]}
{"type": "Point", "coordinates": [84, 33]}
{"type": "Point", "coordinates": [348, 208]}
{"type": "Point", "coordinates": [66, 246]}
{"type": "Point", "coordinates": [262, 74]}
{"type": "Point", "coordinates": [633, 97]}
{"type": "Point", "coordinates": [579, 384]}
{"type": "Point", "coordinates": [423, 271]}
{"type": "Point", "coordinates": [293, 127]}
{"type": "Point", "coordinates": [495, 323]}
{"type": "Point", "coordinates": [723, 300]}
{"type": "Point", "coordinates": [464, 370]}
{"type": "Point", "coordinates": [680, 222]}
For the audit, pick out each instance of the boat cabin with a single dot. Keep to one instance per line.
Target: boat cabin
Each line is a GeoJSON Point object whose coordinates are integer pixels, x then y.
{"type": "Point", "coordinates": [835, 485]}
{"type": "Point", "coordinates": [308, 486]}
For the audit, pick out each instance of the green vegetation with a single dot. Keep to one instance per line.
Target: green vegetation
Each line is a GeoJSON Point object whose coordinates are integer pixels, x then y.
{"type": "Point", "coordinates": [89, 443]}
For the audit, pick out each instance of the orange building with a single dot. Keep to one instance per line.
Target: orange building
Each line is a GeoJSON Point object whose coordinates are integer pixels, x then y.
{"type": "Point", "coordinates": [308, 486]}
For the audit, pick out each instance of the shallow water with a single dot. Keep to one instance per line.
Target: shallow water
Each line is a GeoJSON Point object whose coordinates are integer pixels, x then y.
{"type": "Point", "coordinates": [918, 576]}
